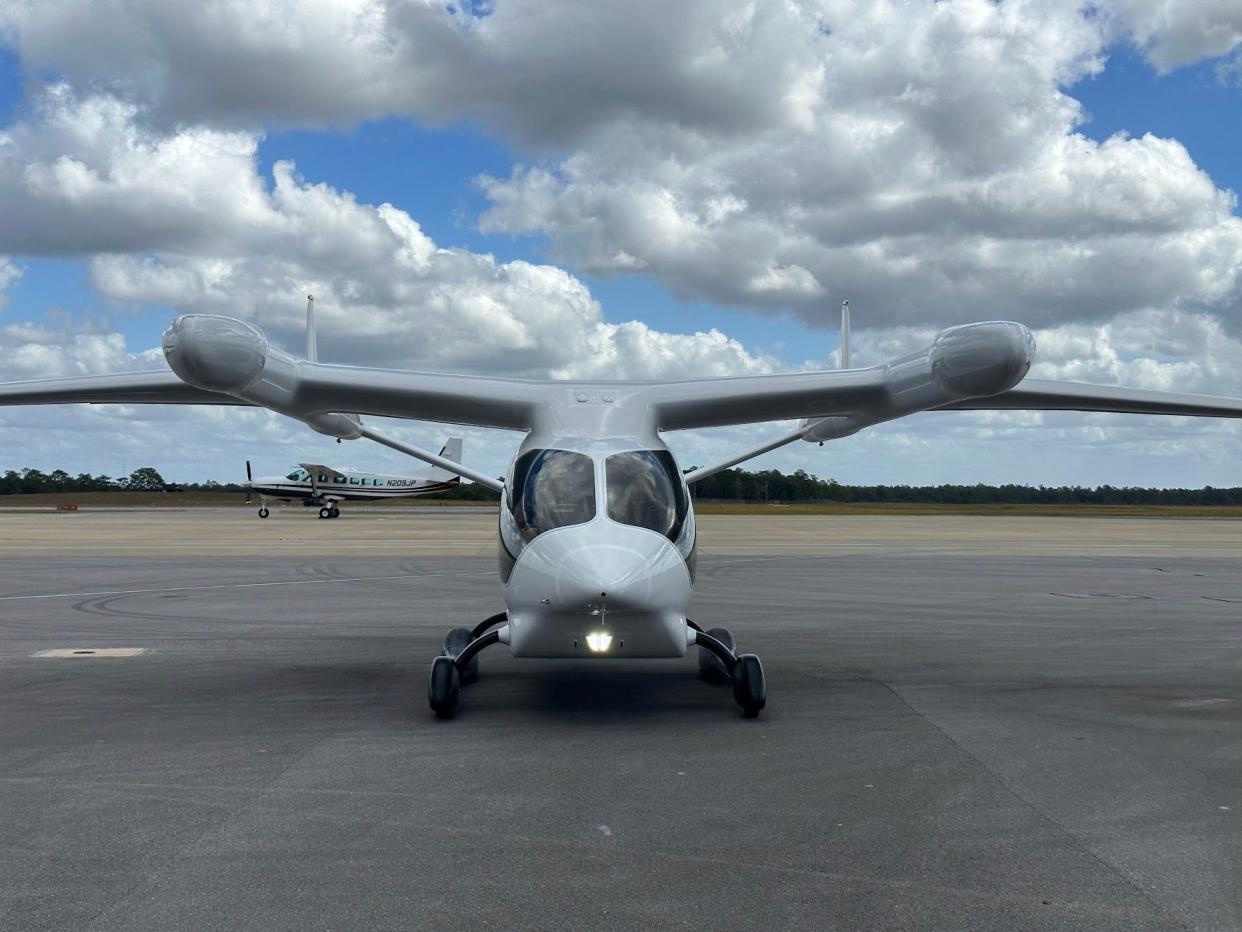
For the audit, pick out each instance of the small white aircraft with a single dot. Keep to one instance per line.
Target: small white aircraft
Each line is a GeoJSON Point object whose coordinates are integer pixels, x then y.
{"type": "Point", "coordinates": [317, 485]}
{"type": "Point", "coordinates": [596, 528]}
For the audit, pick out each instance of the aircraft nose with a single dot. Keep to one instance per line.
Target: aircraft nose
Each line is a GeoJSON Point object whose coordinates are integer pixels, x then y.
{"type": "Point", "coordinates": [614, 575]}
{"type": "Point", "coordinates": [589, 567]}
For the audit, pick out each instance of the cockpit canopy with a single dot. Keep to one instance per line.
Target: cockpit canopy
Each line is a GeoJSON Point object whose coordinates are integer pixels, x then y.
{"type": "Point", "coordinates": [645, 489]}
{"type": "Point", "coordinates": [298, 475]}
{"type": "Point", "coordinates": [553, 488]}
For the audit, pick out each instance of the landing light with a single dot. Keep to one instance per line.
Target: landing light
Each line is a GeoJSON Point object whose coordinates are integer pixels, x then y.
{"type": "Point", "coordinates": [599, 641]}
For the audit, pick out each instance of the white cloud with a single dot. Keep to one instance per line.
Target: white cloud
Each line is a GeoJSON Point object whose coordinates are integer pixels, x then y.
{"type": "Point", "coordinates": [542, 70]}
{"type": "Point", "coordinates": [82, 175]}
{"type": "Point", "coordinates": [9, 273]}
{"type": "Point", "coordinates": [1173, 33]}
{"type": "Point", "coordinates": [937, 176]}
{"type": "Point", "coordinates": [185, 220]}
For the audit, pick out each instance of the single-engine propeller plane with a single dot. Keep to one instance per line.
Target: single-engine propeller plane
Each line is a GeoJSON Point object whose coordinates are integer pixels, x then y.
{"type": "Point", "coordinates": [325, 487]}
{"type": "Point", "coordinates": [596, 530]}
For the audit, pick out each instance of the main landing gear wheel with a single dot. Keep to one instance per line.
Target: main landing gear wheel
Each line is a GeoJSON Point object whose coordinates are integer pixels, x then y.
{"type": "Point", "coordinates": [711, 667]}
{"type": "Point", "coordinates": [454, 643]}
{"type": "Point", "coordinates": [263, 512]}
{"type": "Point", "coordinates": [743, 671]}
{"type": "Point", "coordinates": [458, 664]}
{"type": "Point", "coordinates": [443, 687]}
{"type": "Point", "coordinates": [325, 512]}
{"type": "Point", "coordinates": [749, 688]}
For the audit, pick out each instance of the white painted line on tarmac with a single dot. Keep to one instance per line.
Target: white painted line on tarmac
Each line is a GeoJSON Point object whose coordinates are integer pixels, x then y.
{"type": "Point", "coordinates": [250, 585]}
{"type": "Point", "coordinates": [82, 652]}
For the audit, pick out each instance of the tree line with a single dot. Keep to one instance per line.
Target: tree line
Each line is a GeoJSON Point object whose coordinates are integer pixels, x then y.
{"type": "Point", "coordinates": [770, 485]}
{"type": "Point", "coordinates": [729, 485]}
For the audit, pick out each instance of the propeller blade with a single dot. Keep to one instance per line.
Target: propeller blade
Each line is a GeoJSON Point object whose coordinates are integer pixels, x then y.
{"type": "Point", "coordinates": [249, 482]}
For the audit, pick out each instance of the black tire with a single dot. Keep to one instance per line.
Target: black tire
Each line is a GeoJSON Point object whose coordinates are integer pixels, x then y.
{"type": "Point", "coordinates": [334, 512]}
{"type": "Point", "coordinates": [749, 688]}
{"type": "Point", "coordinates": [263, 512]}
{"type": "Point", "coordinates": [443, 687]}
{"type": "Point", "coordinates": [454, 643]}
{"type": "Point", "coordinates": [710, 667]}
{"type": "Point", "coordinates": [325, 513]}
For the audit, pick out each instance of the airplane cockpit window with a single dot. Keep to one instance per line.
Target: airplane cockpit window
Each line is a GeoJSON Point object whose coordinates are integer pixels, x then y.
{"type": "Point", "coordinates": [646, 490]}
{"type": "Point", "coordinates": [295, 476]}
{"type": "Point", "coordinates": [551, 489]}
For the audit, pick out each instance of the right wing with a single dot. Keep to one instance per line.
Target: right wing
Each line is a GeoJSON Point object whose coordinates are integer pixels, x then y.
{"type": "Point", "coordinates": [1049, 395]}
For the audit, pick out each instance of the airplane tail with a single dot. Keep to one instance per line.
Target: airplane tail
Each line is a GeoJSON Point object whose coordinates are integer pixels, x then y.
{"type": "Point", "coordinates": [452, 451]}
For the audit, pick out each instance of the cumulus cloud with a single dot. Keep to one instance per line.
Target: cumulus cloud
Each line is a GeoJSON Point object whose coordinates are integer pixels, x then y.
{"type": "Point", "coordinates": [541, 70]}
{"type": "Point", "coordinates": [937, 175]}
{"type": "Point", "coordinates": [920, 158]}
{"type": "Point", "coordinates": [1171, 33]}
{"type": "Point", "coordinates": [185, 219]}
{"type": "Point", "coordinates": [9, 273]}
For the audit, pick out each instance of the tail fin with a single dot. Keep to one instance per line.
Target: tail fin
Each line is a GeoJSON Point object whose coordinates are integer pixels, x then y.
{"type": "Point", "coordinates": [312, 347]}
{"type": "Point", "coordinates": [452, 449]}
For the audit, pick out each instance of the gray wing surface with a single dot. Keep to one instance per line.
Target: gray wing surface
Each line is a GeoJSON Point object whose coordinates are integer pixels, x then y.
{"type": "Point", "coordinates": [753, 399]}
{"type": "Point", "coordinates": [1047, 395]}
{"type": "Point", "coordinates": [458, 399]}
{"type": "Point", "coordinates": [161, 388]}
{"type": "Point", "coordinates": [480, 401]}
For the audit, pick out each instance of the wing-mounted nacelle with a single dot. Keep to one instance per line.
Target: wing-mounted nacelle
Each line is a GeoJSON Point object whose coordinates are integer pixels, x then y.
{"type": "Point", "coordinates": [970, 361]}
{"type": "Point", "coordinates": [220, 354]}
{"type": "Point", "coordinates": [979, 360]}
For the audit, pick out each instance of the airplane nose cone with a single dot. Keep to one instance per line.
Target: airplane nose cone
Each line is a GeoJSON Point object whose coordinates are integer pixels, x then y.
{"type": "Point", "coordinates": [610, 574]}
{"type": "Point", "coordinates": [601, 565]}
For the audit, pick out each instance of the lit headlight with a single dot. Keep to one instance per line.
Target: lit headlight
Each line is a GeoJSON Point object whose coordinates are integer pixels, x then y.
{"type": "Point", "coordinates": [599, 641]}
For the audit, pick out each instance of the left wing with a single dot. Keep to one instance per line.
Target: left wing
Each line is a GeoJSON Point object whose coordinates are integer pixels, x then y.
{"type": "Point", "coordinates": [160, 388]}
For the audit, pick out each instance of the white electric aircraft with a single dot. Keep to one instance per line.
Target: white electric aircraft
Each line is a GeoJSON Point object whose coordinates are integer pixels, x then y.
{"type": "Point", "coordinates": [317, 485]}
{"type": "Point", "coordinates": [596, 529]}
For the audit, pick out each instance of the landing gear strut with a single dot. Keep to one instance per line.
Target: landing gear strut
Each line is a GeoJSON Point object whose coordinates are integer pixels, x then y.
{"type": "Point", "coordinates": [459, 664]}
{"type": "Point", "coordinates": [718, 662]}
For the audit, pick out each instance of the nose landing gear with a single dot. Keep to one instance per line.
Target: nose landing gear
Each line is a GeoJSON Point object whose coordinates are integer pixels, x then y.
{"type": "Point", "coordinates": [718, 662]}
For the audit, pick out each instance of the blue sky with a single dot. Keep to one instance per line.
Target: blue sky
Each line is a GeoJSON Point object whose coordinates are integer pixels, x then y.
{"type": "Point", "coordinates": [613, 146]}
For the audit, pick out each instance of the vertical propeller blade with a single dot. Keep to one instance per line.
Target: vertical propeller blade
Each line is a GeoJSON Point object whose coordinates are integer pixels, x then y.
{"type": "Point", "coordinates": [249, 482]}
{"type": "Point", "coordinates": [843, 356]}
{"type": "Point", "coordinates": [312, 348]}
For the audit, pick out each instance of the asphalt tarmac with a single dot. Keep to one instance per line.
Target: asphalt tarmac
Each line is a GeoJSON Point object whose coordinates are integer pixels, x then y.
{"type": "Point", "coordinates": [990, 734]}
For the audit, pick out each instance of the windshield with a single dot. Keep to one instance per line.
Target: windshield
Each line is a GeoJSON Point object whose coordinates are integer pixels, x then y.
{"type": "Point", "coordinates": [551, 489]}
{"type": "Point", "coordinates": [645, 490]}
{"type": "Point", "coordinates": [296, 475]}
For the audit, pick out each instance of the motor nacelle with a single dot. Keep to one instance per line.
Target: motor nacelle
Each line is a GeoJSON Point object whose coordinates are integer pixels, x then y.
{"type": "Point", "coordinates": [218, 354]}
{"type": "Point", "coordinates": [977, 360]}
{"type": "Point", "coordinates": [221, 354]}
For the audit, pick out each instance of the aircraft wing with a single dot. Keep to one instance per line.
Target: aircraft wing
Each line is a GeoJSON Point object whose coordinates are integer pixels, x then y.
{"type": "Point", "coordinates": [460, 399]}
{"type": "Point", "coordinates": [752, 399]}
{"type": "Point", "coordinates": [1048, 395]}
{"type": "Point", "coordinates": [126, 388]}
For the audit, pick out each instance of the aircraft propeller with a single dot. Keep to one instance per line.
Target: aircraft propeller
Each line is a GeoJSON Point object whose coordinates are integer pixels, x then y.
{"type": "Point", "coordinates": [249, 482]}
